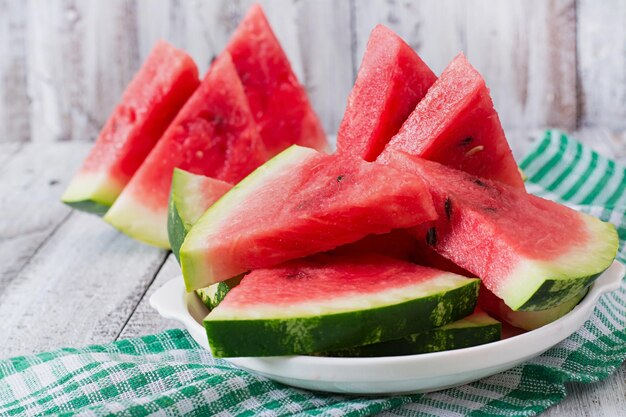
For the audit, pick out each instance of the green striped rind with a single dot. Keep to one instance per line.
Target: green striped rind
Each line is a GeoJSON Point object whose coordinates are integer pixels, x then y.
{"type": "Point", "coordinates": [92, 193]}
{"type": "Point", "coordinates": [176, 228]}
{"type": "Point", "coordinates": [531, 320]}
{"type": "Point", "coordinates": [195, 262]}
{"type": "Point", "coordinates": [190, 196]}
{"type": "Point", "coordinates": [212, 295]}
{"type": "Point", "coordinates": [272, 336]}
{"type": "Point", "coordinates": [541, 285]}
{"type": "Point", "coordinates": [476, 329]}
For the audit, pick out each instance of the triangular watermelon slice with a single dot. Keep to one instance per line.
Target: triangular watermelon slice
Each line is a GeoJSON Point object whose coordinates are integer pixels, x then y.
{"type": "Point", "coordinates": [391, 81]}
{"type": "Point", "coordinates": [278, 101]}
{"type": "Point", "coordinates": [530, 252]}
{"type": "Point", "coordinates": [299, 203]}
{"type": "Point", "coordinates": [455, 124]}
{"type": "Point", "coordinates": [328, 303]}
{"type": "Point", "coordinates": [150, 102]}
{"type": "Point", "coordinates": [214, 135]}
{"type": "Point", "coordinates": [190, 196]}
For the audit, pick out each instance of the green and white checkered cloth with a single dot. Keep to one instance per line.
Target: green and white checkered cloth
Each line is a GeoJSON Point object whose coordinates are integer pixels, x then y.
{"type": "Point", "coordinates": [169, 374]}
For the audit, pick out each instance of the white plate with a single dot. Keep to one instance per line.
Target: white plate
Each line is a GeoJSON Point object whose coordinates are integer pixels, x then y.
{"type": "Point", "coordinates": [397, 374]}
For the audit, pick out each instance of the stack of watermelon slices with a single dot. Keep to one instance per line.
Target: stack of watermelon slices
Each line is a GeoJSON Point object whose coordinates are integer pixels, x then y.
{"type": "Point", "coordinates": [379, 249]}
{"type": "Point", "coordinates": [249, 107]}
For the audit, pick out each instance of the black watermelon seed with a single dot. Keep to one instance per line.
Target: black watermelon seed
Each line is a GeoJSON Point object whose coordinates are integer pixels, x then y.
{"type": "Point", "coordinates": [480, 183]}
{"type": "Point", "coordinates": [466, 141]}
{"type": "Point", "coordinates": [448, 207]}
{"type": "Point", "coordinates": [431, 237]}
{"type": "Point", "coordinates": [339, 178]}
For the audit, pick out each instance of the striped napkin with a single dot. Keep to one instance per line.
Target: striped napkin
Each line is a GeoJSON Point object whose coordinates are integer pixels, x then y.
{"type": "Point", "coordinates": [168, 374]}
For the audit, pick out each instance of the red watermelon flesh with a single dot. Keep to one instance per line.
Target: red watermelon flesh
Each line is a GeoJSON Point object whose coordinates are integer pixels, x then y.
{"type": "Point", "coordinates": [150, 102]}
{"type": "Point", "coordinates": [400, 244]}
{"type": "Point", "coordinates": [300, 203]}
{"type": "Point", "coordinates": [391, 81]}
{"type": "Point", "coordinates": [531, 252]}
{"type": "Point", "coordinates": [455, 124]}
{"type": "Point", "coordinates": [278, 101]}
{"type": "Point", "coordinates": [214, 135]}
{"type": "Point", "coordinates": [397, 244]}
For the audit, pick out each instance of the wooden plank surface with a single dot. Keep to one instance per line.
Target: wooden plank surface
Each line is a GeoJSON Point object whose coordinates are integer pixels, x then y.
{"type": "Point", "coordinates": [548, 62]}
{"type": "Point", "coordinates": [67, 278]}
{"type": "Point", "coordinates": [14, 102]}
{"type": "Point", "coordinates": [81, 55]}
{"type": "Point", "coordinates": [524, 49]}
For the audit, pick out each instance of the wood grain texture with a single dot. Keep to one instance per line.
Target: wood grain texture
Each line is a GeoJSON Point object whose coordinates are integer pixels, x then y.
{"type": "Point", "coordinates": [602, 63]}
{"type": "Point", "coordinates": [14, 101]}
{"type": "Point", "coordinates": [66, 277]}
{"type": "Point", "coordinates": [81, 55]}
{"type": "Point", "coordinates": [33, 178]}
{"type": "Point", "coordinates": [524, 49]}
{"type": "Point", "coordinates": [145, 320]}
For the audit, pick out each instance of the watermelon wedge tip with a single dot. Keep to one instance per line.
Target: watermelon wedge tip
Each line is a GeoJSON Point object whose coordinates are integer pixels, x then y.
{"type": "Point", "coordinates": [150, 102]}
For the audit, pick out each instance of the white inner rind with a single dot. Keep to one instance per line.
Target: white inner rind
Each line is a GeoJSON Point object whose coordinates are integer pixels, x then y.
{"type": "Point", "coordinates": [477, 319]}
{"type": "Point", "coordinates": [98, 187]}
{"type": "Point", "coordinates": [343, 303]}
{"type": "Point", "coordinates": [195, 261]}
{"type": "Point", "coordinates": [584, 259]}
{"type": "Point", "coordinates": [139, 222]}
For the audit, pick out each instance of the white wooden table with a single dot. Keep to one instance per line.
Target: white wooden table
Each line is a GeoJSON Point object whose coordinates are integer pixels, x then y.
{"type": "Point", "coordinates": [69, 279]}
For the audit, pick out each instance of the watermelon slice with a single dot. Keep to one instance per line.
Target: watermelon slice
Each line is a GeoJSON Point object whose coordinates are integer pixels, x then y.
{"type": "Point", "coordinates": [278, 101]}
{"type": "Point", "coordinates": [151, 101]}
{"type": "Point", "coordinates": [527, 320]}
{"type": "Point", "coordinates": [300, 203]}
{"type": "Point", "coordinates": [456, 125]}
{"type": "Point", "coordinates": [214, 135]}
{"type": "Point", "coordinates": [325, 304]}
{"type": "Point", "coordinates": [391, 81]}
{"type": "Point", "coordinates": [191, 195]}
{"type": "Point", "coordinates": [476, 329]}
{"type": "Point", "coordinates": [530, 252]}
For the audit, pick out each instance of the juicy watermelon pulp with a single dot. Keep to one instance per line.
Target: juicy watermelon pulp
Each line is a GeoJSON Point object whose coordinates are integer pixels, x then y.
{"type": "Point", "coordinates": [299, 203]}
{"type": "Point", "coordinates": [391, 81]}
{"type": "Point", "coordinates": [328, 303]}
{"type": "Point", "coordinates": [279, 103]}
{"type": "Point", "coordinates": [151, 101]}
{"type": "Point", "coordinates": [530, 252]}
{"type": "Point", "coordinates": [456, 125]}
{"type": "Point", "coordinates": [214, 135]}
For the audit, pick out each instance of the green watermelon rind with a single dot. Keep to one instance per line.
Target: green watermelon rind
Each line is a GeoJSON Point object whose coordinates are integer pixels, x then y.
{"type": "Point", "coordinates": [531, 320]}
{"type": "Point", "coordinates": [230, 336]}
{"type": "Point", "coordinates": [91, 193]}
{"type": "Point", "coordinates": [213, 295]}
{"type": "Point", "coordinates": [196, 267]}
{"type": "Point", "coordinates": [540, 285]}
{"type": "Point", "coordinates": [476, 329]}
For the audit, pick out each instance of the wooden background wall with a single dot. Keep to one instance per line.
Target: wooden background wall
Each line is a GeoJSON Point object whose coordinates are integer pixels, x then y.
{"type": "Point", "coordinates": [64, 63]}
